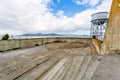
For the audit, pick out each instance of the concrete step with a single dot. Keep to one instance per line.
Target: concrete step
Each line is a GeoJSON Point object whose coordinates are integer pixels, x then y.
{"type": "Point", "coordinates": [51, 72]}
{"type": "Point", "coordinates": [39, 70]}
{"type": "Point", "coordinates": [73, 70]}
{"type": "Point", "coordinates": [83, 67]}
{"type": "Point", "coordinates": [93, 64]}
{"type": "Point", "coordinates": [17, 69]}
{"type": "Point", "coordinates": [60, 74]}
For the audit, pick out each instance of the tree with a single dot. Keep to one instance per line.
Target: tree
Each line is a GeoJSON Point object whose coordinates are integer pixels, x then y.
{"type": "Point", "coordinates": [5, 37]}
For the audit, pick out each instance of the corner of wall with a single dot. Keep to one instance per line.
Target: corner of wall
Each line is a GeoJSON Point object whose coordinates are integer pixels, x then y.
{"type": "Point", "coordinates": [97, 44]}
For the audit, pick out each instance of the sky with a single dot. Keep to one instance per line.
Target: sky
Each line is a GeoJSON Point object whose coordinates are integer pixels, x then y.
{"type": "Point", "coordinates": [49, 16]}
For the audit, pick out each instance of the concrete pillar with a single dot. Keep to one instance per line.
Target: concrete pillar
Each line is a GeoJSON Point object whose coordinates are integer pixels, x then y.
{"type": "Point", "coordinates": [111, 41]}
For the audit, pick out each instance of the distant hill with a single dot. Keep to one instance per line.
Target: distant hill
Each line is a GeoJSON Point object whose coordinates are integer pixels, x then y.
{"type": "Point", "coordinates": [41, 34]}
{"type": "Point", "coordinates": [54, 34]}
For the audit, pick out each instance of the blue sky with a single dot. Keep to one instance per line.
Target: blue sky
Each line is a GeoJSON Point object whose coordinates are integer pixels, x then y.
{"type": "Point", "coordinates": [69, 7]}
{"type": "Point", "coordinates": [49, 16]}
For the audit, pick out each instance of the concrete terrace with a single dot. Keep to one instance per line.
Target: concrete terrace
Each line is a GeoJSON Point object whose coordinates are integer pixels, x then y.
{"type": "Point", "coordinates": [58, 61]}
{"type": "Point", "coordinates": [64, 58]}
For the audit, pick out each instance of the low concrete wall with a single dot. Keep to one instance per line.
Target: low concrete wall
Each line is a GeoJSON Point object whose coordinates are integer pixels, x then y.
{"type": "Point", "coordinates": [25, 43]}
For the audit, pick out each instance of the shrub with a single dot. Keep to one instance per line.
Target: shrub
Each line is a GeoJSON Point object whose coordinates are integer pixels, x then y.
{"type": "Point", "coordinates": [5, 37]}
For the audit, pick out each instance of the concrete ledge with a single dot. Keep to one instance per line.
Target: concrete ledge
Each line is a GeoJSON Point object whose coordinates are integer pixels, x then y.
{"type": "Point", "coordinates": [97, 44]}
{"type": "Point", "coordinates": [25, 43]}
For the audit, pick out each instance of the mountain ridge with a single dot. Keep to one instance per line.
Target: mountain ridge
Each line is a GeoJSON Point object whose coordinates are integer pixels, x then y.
{"type": "Point", "coordinates": [42, 34]}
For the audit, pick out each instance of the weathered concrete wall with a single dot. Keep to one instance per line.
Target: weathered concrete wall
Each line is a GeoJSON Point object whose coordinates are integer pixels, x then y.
{"type": "Point", "coordinates": [111, 40]}
{"type": "Point", "coordinates": [25, 43]}
{"type": "Point", "coordinates": [97, 44]}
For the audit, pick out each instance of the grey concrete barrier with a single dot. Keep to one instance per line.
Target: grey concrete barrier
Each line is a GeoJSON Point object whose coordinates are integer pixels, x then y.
{"type": "Point", "coordinates": [25, 43]}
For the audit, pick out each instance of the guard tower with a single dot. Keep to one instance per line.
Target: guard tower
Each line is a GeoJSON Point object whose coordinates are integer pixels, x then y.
{"type": "Point", "coordinates": [98, 25]}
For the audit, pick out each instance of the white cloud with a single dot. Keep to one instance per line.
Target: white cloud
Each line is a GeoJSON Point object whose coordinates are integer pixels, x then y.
{"type": "Point", "coordinates": [94, 2]}
{"type": "Point", "coordinates": [81, 2]}
{"type": "Point", "coordinates": [88, 2]}
{"type": "Point", "coordinates": [22, 16]}
{"type": "Point", "coordinates": [60, 13]}
{"type": "Point", "coordinates": [58, 0]}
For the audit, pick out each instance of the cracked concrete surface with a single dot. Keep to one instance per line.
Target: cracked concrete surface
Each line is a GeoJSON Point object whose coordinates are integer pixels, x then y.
{"type": "Point", "coordinates": [58, 61]}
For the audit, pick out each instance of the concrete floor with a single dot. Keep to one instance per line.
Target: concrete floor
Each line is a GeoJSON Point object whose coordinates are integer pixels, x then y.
{"type": "Point", "coordinates": [58, 61]}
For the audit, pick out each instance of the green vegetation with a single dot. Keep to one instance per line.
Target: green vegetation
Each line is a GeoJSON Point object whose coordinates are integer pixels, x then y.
{"type": "Point", "coordinates": [5, 37]}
